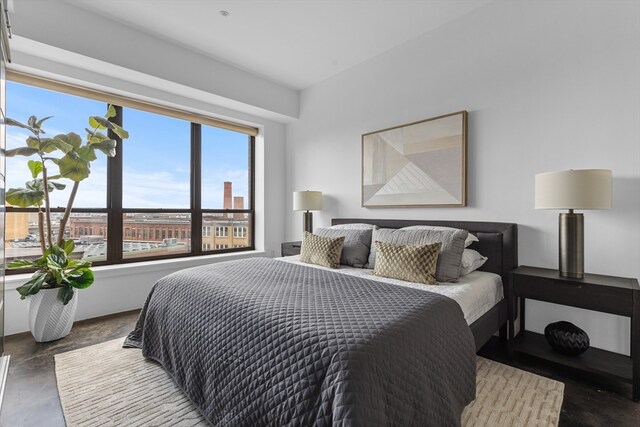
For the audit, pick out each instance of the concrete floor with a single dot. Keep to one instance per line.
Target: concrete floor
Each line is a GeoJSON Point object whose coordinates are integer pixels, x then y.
{"type": "Point", "coordinates": [31, 396]}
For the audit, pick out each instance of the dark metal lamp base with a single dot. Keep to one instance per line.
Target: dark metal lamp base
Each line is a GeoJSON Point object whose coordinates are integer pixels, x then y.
{"type": "Point", "coordinates": [571, 250]}
{"type": "Point", "coordinates": [308, 222]}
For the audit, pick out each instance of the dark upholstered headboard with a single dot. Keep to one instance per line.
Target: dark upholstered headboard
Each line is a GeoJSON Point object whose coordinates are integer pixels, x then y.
{"type": "Point", "coordinates": [498, 240]}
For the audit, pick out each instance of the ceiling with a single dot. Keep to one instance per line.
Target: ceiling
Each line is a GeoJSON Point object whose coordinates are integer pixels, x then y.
{"type": "Point", "coordinates": [296, 43]}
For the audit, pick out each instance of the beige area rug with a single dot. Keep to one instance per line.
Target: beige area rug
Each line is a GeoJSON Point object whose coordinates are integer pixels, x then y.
{"type": "Point", "coordinates": [106, 385]}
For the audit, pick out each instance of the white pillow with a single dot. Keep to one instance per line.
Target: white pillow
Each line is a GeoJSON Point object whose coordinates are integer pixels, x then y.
{"type": "Point", "coordinates": [354, 226]}
{"type": "Point", "coordinates": [470, 239]}
{"type": "Point", "coordinates": [471, 261]}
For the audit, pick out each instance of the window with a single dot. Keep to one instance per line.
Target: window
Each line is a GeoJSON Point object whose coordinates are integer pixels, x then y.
{"type": "Point", "coordinates": [222, 231]}
{"type": "Point", "coordinates": [239, 231]}
{"type": "Point", "coordinates": [176, 171]}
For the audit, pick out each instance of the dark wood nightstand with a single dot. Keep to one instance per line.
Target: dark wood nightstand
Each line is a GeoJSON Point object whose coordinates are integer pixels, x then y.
{"type": "Point", "coordinates": [291, 248]}
{"type": "Point", "coordinates": [607, 294]}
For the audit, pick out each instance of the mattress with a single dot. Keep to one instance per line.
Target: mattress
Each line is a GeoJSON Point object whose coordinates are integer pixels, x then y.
{"type": "Point", "coordinates": [476, 293]}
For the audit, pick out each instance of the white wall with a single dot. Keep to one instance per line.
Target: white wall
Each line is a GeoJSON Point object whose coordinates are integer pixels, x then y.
{"type": "Point", "coordinates": [548, 86]}
{"type": "Point", "coordinates": [66, 26]}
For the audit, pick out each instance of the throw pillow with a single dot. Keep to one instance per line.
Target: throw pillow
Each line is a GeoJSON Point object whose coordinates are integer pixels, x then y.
{"type": "Point", "coordinates": [324, 251]}
{"type": "Point", "coordinates": [470, 239]}
{"type": "Point", "coordinates": [413, 263]}
{"type": "Point", "coordinates": [471, 261]}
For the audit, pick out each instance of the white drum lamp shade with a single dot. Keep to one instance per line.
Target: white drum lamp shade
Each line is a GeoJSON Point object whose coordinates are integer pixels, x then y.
{"type": "Point", "coordinates": [307, 201]}
{"type": "Point", "coordinates": [573, 189]}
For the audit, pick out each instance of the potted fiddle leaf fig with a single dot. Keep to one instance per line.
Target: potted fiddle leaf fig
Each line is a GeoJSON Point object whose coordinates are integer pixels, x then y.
{"type": "Point", "coordinates": [51, 290]}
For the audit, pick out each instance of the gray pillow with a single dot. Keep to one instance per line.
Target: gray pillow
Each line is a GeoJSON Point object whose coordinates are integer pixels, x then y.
{"type": "Point", "coordinates": [357, 243]}
{"type": "Point", "coordinates": [450, 258]}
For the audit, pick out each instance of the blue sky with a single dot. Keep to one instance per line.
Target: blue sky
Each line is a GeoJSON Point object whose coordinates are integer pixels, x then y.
{"type": "Point", "coordinates": [156, 155]}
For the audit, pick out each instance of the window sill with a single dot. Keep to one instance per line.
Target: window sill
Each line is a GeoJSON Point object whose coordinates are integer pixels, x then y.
{"type": "Point", "coordinates": [128, 269]}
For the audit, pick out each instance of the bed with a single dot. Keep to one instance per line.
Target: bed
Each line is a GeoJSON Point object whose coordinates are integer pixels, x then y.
{"type": "Point", "coordinates": [267, 342]}
{"type": "Point", "coordinates": [498, 241]}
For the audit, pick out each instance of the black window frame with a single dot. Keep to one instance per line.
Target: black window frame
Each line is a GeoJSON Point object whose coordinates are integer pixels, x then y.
{"type": "Point", "coordinates": [115, 211]}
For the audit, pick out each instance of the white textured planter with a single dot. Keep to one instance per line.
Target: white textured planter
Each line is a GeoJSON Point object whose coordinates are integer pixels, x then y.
{"type": "Point", "coordinates": [49, 319]}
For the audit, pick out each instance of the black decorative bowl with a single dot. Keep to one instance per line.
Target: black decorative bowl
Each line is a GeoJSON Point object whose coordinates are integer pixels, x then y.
{"type": "Point", "coordinates": [566, 338]}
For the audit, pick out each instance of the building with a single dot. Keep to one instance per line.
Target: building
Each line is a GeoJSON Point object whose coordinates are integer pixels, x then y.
{"type": "Point", "coordinates": [225, 231]}
{"type": "Point", "coordinates": [17, 225]}
{"type": "Point", "coordinates": [150, 234]}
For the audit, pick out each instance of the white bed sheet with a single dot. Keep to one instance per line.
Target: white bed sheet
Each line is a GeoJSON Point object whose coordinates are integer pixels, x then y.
{"type": "Point", "coordinates": [475, 293]}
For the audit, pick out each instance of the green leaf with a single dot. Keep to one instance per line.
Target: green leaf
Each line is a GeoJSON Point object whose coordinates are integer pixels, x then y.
{"type": "Point", "coordinates": [32, 121]}
{"type": "Point", "coordinates": [86, 153]}
{"type": "Point", "coordinates": [123, 134]}
{"type": "Point", "coordinates": [11, 122]}
{"type": "Point", "coordinates": [75, 169]}
{"type": "Point", "coordinates": [100, 123]}
{"type": "Point", "coordinates": [54, 249]}
{"type": "Point", "coordinates": [38, 124]}
{"type": "Point", "coordinates": [38, 185]}
{"type": "Point", "coordinates": [35, 167]}
{"type": "Point", "coordinates": [33, 143]}
{"type": "Point", "coordinates": [71, 138]}
{"type": "Point", "coordinates": [21, 151]}
{"type": "Point", "coordinates": [57, 261]}
{"type": "Point", "coordinates": [56, 272]}
{"type": "Point", "coordinates": [96, 137]}
{"type": "Point", "coordinates": [21, 263]}
{"type": "Point", "coordinates": [24, 198]}
{"type": "Point", "coordinates": [81, 278]}
{"type": "Point", "coordinates": [65, 294]}
{"type": "Point", "coordinates": [33, 285]}
{"type": "Point", "coordinates": [108, 147]}
{"type": "Point", "coordinates": [51, 144]}
{"type": "Point", "coordinates": [111, 112]}
{"type": "Point", "coordinates": [75, 264]}
{"type": "Point", "coordinates": [35, 185]}
{"type": "Point", "coordinates": [68, 246]}
{"type": "Point", "coordinates": [56, 185]}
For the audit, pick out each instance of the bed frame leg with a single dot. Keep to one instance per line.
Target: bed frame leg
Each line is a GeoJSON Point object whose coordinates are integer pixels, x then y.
{"type": "Point", "coordinates": [503, 332]}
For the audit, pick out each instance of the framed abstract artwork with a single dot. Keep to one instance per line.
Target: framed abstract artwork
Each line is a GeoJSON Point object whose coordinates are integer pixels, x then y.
{"type": "Point", "coordinates": [421, 164]}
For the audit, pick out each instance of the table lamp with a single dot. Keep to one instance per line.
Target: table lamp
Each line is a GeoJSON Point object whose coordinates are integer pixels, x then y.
{"type": "Point", "coordinates": [307, 201]}
{"type": "Point", "coordinates": [573, 189]}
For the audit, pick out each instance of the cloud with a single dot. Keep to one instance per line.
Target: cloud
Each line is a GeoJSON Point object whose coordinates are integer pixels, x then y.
{"type": "Point", "coordinates": [155, 190]}
{"type": "Point", "coordinates": [15, 138]}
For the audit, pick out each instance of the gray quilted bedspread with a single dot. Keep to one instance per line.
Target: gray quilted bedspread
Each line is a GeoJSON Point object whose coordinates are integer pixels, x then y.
{"type": "Point", "coordinates": [260, 342]}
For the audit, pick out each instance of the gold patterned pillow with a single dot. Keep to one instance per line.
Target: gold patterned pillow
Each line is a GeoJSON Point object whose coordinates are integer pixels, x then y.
{"type": "Point", "coordinates": [324, 251]}
{"type": "Point", "coordinates": [413, 263]}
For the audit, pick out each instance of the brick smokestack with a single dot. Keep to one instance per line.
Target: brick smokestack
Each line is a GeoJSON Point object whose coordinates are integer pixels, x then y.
{"type": "Point", "coordinates": [238, 203]}
{"type": "Point", "coordinates": [227, 195]}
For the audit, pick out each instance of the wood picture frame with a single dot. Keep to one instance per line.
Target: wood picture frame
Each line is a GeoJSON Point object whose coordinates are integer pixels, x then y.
{"type": "Point", "coordinates": [419, 164]}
